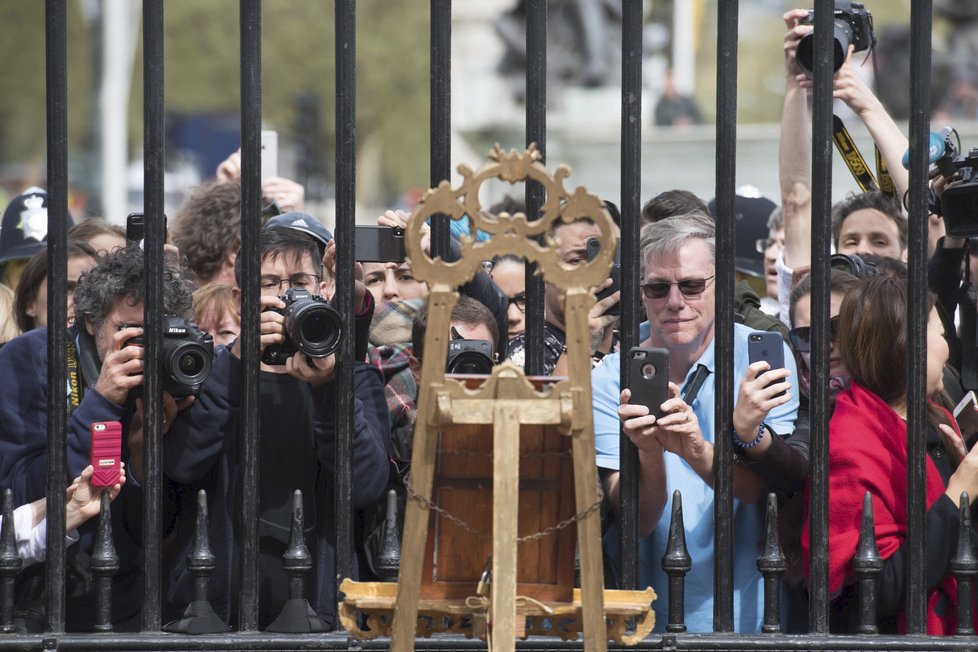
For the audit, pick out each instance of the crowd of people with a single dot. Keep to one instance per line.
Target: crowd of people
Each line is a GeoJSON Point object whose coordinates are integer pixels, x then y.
{"type": "Point", "coordinates": [675, 443]}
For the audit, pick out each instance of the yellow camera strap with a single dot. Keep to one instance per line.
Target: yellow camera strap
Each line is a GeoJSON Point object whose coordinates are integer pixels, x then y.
{"type": "Point", "coordinates": [857, 164]}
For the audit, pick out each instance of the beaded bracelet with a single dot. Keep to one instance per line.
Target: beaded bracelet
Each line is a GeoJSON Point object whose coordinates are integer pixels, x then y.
{"type": "Point", "coordinates": [757, 440]}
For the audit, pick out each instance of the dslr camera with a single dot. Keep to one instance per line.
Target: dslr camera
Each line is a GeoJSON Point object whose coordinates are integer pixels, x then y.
{"type": "Point", "coordinates": [186, 358]}
{"type": "Point", "coordinates": [853, 26]}
{"type": "Point", "coordinates": [469, 357]}
{"type": "Point", "coordinates": [311, 326]}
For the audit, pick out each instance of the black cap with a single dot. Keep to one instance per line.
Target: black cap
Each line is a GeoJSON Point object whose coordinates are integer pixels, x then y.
{"type": "Point", "coordinates": [305, 223]}
{"type": "Point", "coordinates": [24, 228]}
{"type": "Point", "coordinates": [752, 212]}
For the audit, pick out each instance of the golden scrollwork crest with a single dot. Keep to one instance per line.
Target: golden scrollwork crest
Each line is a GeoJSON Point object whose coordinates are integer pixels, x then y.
{"type": "Point", "coordinates": [511, 234]}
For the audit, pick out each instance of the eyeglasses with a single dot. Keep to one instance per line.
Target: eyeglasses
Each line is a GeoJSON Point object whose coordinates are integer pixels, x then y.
{"type": "Point", "coordinates": [763, 244]}
{"type": "Point", "coordinates": [690, 287]}
{"type": "Point", "coordinates": [519, 301]}
{"type": "Point", "coordinates": [303, 281]}
{"type": "Point", "coordinates": [801, 337]}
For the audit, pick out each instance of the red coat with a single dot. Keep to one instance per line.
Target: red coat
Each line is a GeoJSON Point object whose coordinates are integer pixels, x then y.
{"type": "Point", "coordinates": [868, 452]}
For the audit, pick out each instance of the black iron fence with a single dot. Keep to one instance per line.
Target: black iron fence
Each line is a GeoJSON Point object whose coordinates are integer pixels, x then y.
{"type": "Point", "coordinates": [677, 561]}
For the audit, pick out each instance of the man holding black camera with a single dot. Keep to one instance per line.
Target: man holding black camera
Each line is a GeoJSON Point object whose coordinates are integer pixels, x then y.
{"type": "Point", "coordinates": [296, 444]}
{"type": "Point", "coordinates": [103, 373]}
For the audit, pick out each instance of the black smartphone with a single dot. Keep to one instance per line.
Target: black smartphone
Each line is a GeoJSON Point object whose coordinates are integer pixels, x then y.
{"type": "Point", "coordinates": [593, 248]}
{"type": "Point", "coordinates": [379, 244]}
{"type": "Point", "coordinates": [768, 346]}
{"type": "Point", "coordinates": [649, 378]}
{"type": "Point", "coordinates": [135, 228]}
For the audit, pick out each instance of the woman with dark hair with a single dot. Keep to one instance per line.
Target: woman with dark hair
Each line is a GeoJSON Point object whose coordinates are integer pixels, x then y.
{"type": "Point", "coordinates": [31, 300]}
{"type": "Point", "coordinates": [868, 453]}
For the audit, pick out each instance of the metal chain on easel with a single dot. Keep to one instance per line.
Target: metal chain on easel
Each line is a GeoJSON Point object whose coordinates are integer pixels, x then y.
{"type": "Point", "coordinates": [428, 505]}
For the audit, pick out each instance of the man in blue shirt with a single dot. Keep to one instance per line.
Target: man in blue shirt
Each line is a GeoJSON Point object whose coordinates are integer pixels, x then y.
{"type": "Point", "coordinates": [676, 452]}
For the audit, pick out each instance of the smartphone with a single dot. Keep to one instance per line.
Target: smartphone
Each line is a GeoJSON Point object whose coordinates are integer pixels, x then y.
{"type": "Point", "coordinates": [106, 453]}
{"type": "Point", "coordinates": [135, 228]}
{"type": "Point", "coordinates": [379, 244]}
{"type": "Point", "coordinates": [768, 346]}
{"type": "Point", "coordinates": [967, 418]}
{"type": "Point", "coordinates": [269, 154]}
{"type": "Point", "coordinates": [593, 248]}
{"type": "Point", "coordinates": [649, 378]}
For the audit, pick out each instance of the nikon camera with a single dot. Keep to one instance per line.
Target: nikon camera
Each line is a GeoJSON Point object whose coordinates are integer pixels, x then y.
{"type": "Point", "coordinates": [186, 358]}
{"type": "Point", "coordinates": [853, 25]}
{"type": "Point", "coordinates": [311, 326]}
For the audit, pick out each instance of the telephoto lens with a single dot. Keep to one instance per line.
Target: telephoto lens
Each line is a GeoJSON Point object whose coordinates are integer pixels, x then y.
{"type": "Point", "coordinates": [311, 326]}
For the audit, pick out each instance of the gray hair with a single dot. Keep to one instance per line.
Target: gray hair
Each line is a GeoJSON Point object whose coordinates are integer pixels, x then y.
{"type": "Point", "coordinates": [776, 221]}
{"type": "Point", "coordinates": [119, 275]}
{"type": "Point", "coordinates": [663, 239]}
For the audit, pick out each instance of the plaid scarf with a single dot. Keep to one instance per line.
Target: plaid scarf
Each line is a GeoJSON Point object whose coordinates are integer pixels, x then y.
{"type": "Point", "coordinates": [390, 347]}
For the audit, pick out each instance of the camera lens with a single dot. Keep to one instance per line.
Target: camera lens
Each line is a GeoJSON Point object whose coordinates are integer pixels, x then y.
{"type": "Point", "coordinates": [189, 363]}
{"type": "Point", "coordinates": [314, 327]}
{"type": "Point", "coordinates": [840, 48]}
{"type": "Point", "coordinates": [470, 362]}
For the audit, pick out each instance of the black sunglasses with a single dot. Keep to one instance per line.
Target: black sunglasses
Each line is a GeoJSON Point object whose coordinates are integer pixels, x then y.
{"type": "Point", "coordinates": [801, 337]}
{"type": "Point", "coordinates": [690, 287]}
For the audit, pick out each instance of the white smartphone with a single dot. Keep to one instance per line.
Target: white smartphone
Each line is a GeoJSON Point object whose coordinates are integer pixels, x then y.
{"type": "Point", "coordinates": [966, 416]}
{"type": "Point", "coordinates": [269, 154]}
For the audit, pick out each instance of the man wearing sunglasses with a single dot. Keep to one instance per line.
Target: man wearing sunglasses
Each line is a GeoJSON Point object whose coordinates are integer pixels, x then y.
{"type": "Point", "coordinates": [675, 451]}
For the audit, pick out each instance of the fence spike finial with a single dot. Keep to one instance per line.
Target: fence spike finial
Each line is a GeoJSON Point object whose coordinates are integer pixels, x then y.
{"type": "Point", "coordinates": [676, 562]}
{"type": "Point", "coordinates": [964, 567]}
{"type": "Point", "coordinates": [868, 565]}
{"type": "Point", "coordinates": [297, 616]}
{"type": "Point", "coordinates": [772, 565]}
{"type": "Point", "coordinates": [10, 564]}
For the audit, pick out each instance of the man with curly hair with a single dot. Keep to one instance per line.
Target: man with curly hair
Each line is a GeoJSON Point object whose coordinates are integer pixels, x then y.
{"type": "Point", "coordinates": [207, 231]}
{"type": "Point", "coordinates": [103, 372]}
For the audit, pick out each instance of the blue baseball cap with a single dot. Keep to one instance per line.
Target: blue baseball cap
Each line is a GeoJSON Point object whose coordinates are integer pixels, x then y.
{"type": "Point", "coordinates": [305, 223]}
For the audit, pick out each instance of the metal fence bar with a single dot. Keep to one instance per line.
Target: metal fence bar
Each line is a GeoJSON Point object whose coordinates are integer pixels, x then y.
{"type": "Point", "coordinates": [250, 28]}
{"type": "Point", "coordinates": [920, 31]}
{"type": "Point", "coordinates": [153, 165]}
{"type": "Point", "coordinates": [56, 53]}
{"type": "Point", "coordinates": [631, 304]}
{"type": "Point", "coordinates": [536, 132]}
{"type": "Point", "coordinates": [726, 154]}
{"type": "Point", "coordinates": [821, 236]}
{"type": "Point", "coordinates": [441, 114]}
{"type": "Point", "coordinates": [346, 91]}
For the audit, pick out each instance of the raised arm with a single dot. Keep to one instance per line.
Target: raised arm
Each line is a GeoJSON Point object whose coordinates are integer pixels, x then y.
{"type": "Point", "coordinates": [794, 152]}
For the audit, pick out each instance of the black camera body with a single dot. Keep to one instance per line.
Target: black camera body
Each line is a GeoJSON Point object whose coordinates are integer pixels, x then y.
{"type": "Point", "coordinates": [469, 357]}
{"type": "Point", "coordinates": [186, 358]}
{"type": "Point", "coordinates": [311, 326]}
{"type": "Point", "coordinates": [853, 26]}
{"type": "Point", "coordinates": [959, 204]}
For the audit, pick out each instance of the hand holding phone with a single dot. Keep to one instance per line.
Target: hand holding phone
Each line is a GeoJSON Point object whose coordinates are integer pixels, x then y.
{"type": "Point", "coordinates": [106, 453]}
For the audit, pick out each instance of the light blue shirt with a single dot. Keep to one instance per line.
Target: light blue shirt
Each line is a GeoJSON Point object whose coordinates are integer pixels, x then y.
{"type": "Point", "coordinates": [697, 497]}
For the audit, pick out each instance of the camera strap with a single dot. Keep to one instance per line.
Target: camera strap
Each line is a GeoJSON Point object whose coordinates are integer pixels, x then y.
{"type": "Point", "coordinates": [857, 164]}
{"type": "Point", "coordinates": [76, 384]}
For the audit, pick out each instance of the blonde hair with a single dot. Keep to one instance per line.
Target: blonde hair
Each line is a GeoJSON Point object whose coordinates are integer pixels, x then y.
{"type": "Point", "coordinates": [216, 296]}
{"type": "Point", "coordinates": [8, 324]}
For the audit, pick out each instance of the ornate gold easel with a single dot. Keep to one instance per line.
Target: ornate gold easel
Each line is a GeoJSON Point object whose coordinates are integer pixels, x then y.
{"type": "Point", "coordinates": [507, 400]}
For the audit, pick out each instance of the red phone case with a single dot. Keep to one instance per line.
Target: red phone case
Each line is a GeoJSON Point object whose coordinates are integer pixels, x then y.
{"type": "Point", "coordinates": [106, 453]}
